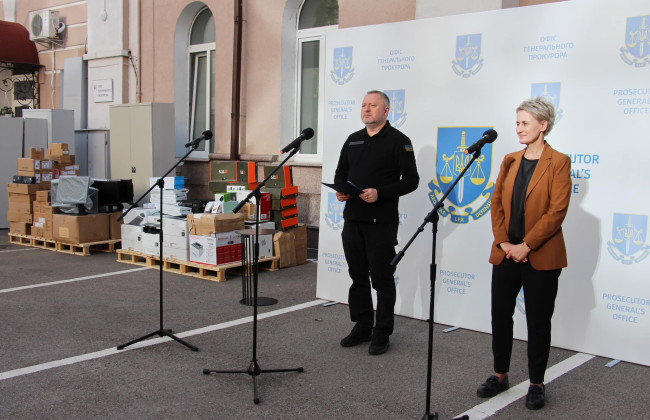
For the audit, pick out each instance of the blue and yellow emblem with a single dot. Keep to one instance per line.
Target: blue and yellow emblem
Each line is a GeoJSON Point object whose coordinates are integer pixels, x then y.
{"type": "Point", "coordinates": [551, 92]}
{"type": "Point", "coordinates": [628, 244]}
{"type": "Point", "coordinates": [396, 114]}
{"type": "Point", "coordinates": [468, 59]}
{"type": "Point", "coordinates": [471, 196]}
{"type": "Point", "coordinates": [636, 51]}
{"type": "Point", "coordinates": [334, 215]}
{"type": "Point", "coordinates": [342, 70]}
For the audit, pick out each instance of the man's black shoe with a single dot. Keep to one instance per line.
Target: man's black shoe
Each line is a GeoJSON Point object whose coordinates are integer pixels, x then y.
{"type": "Point", "coordinates": [492, 387]}
{"type": "Point", "coordinates": [536, 397]}
{"type": "Point", "coordinates": [359, 334]}
{"type": "Point", "coordinates": [379, 344]}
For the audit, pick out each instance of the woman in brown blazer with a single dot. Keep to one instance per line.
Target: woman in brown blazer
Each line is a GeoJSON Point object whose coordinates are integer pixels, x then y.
{"type": "Point", "coordinates": [530, 201]}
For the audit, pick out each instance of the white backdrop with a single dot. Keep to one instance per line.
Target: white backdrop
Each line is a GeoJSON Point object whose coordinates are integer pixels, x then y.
{"type": "Point", "coordinates": [467, 73]}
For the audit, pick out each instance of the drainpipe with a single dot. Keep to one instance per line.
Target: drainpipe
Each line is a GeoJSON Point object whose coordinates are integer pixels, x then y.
{"type": "Point", "coordinates": [236, 83]}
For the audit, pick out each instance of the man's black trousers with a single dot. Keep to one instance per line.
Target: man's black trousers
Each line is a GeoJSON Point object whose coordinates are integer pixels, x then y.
{"type": "Point", "coordinates": [369, 249]}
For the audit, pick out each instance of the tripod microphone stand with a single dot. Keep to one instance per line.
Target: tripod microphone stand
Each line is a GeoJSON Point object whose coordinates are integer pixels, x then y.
{"type": "Point", "coordinates": [160, 183]}
{"type": "Point", "coordinates": [254, 369]}
{"type": "Point", "coordinates": [433, 217]}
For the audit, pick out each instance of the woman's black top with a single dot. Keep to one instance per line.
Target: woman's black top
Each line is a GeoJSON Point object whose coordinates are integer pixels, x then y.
{"type": "Point", "coordinates": [517, 229]}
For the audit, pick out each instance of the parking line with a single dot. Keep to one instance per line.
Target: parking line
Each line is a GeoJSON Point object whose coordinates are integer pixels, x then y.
{"type": "Point", "coordinates": [53, 283]}
{"type": "Point", "coordinates": [494, 404]}
{"type": "Point", "coordinates": [113, 350]}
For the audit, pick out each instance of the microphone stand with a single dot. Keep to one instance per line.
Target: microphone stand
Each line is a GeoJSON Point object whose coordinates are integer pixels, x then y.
{"type": "Point", "coordinates": [160, 183]}
{"type": "Point", "coordinates": [433, 217]}
{"type": "Point", "coordinates": [254, 369]}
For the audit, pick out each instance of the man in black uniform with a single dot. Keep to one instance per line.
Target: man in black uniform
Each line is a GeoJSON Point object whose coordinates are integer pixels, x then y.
{"type": "Point", "coordinates": [378, 159]}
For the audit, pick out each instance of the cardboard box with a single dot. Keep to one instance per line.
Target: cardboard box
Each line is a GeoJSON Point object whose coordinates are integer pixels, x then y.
{"type": "Point", "coordinates": [283, 178]}
{"type": "Point", "coordinates": [58, 149]}
{"type": "Point", "coordinates": [81, 229]}
{"type": "Point", "coordinates": [42, 226]}
{"type": "Point", "coordinates": [29, 165]}
{"type": "Point", "coordinates": [36, 153]}
{"type": "Point", "coordinates": [208, 223]}
{"type": "Point", "coordinates": [221, 248]}
{"type": "Point", "coordinates": [223, 171]}
{"type": "Point", "coordinates": [20, 228]}
{"type": "Point", "coordinates": [300, 243]}
{"type": "Point", "coordinates": [23, 188]}
{"type": "Point", "coordinates": [13, 216]}
{"type": "Point", "coordinates": [284, 246]}
{"type": "Point", "coordinates": [22, 206]}
{"type": "Point", "coordinates": [115, 227]}
{"type": "Point", "coordinates": [203, 249]}
{"type": "Point", "coordinates": [43, 196]}
{"type": "Point", "coordinates": [21, 198]}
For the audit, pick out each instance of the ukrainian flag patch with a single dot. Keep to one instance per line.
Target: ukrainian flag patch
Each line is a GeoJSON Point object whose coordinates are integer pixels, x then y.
{"type": "Point", "coordinates": [408, 148]}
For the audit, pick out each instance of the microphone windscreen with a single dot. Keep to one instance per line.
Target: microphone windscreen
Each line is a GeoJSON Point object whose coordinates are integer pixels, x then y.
{"type": "Point", "coordinates": [308, 132]}
{"type": "Point", "coordinates": [207, 134]}
{"type": "Point", "coordinates": [491, 134]}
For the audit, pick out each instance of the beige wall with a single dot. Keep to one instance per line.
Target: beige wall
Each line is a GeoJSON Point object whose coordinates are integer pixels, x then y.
{"type": "Point", "coordinates": [75, 18]}
{"type": "Point", "coordinates": [371, 12]}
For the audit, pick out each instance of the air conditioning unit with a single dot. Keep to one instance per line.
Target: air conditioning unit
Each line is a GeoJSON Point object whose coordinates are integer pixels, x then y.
{"type": "Point", "coordinates": [43, 24]}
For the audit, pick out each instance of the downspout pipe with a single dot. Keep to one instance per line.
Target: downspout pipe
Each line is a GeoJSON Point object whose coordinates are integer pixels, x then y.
{"type": "Point", "coordinates": [236, 82]}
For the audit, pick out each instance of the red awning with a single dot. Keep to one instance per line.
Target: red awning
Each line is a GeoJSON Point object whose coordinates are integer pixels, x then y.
{"type": "Point", "coordinates": [15, 46]}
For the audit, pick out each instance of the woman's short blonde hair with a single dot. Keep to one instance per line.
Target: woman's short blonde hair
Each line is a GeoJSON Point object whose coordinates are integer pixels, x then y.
{"type": "Point", "coordinates": [541, 109]}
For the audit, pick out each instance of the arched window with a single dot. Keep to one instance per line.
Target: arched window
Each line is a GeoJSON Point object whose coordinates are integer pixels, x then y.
{"type": "Point", "coordinates": [201, 76]}
{"type": "Point", "coordinates": [315, 18]}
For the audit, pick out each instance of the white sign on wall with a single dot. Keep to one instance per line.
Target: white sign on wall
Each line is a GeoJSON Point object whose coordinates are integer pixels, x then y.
{"type": "Point", "coordinates": [450, 79]}
{"type": "Point", "coordinates": [103, 90]}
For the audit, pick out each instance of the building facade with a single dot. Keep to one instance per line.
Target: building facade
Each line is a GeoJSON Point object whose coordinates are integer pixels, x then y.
{"type": "Point", "coordinates": [251, 71]}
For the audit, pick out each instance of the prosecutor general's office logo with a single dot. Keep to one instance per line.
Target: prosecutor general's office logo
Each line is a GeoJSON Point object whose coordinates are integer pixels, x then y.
{"type": "Point", "coordinates": [334, 215]}
{"type": "Point", "coordinates": [551, 92]}
{"type": "Point", "coordinates": [628, 244]}
{"type": "Point", "coordinates": [471, 196]}
{"type": "Point", "coordinates": [636, 51]}
{"type": "Point", "coordinates": [342, 70]}
{"type": "Point", "coordinates": [397, 113]}
{"type": "Point", "coordinates": [468, 55]}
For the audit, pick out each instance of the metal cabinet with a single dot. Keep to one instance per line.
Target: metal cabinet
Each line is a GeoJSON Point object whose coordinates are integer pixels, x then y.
{"type": "Point", "coordinates": [141, 142]}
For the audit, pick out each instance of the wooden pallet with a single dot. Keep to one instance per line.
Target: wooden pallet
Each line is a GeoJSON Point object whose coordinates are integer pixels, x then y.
{"type": "Point", "coordinates": [17, 239]}
{"type": "Point", "coordinates": [84, 249]}
{"type": "Point", "coordinates": [43, 243]}
{"type": "Point", "coordinates": [76, 249]}
{"type": "Point", "coordinates": [187, 268]}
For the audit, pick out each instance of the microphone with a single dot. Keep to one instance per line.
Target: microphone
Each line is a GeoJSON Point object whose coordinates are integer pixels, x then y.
{"type": "Point", "coordinates": [488, 137]}
{"type": "Point", "coordinates": [306, 134]}
{"type": "Point", "coordinates": [206, 135]}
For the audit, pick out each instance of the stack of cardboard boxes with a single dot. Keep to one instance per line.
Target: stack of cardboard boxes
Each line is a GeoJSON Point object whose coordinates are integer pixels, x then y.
{"type": "Point", "coordinates": [232, 173]}
{"type": "Point", "coordinates": [214, 239]}
{"type": "Point", "coordinates": [43, 223]}
{"type": "Point", "coordinates": [34, 174]}
{"type": "Point", "coordinates": [19, 215]}
{"type": "Point", "coordinates": [30, 209]}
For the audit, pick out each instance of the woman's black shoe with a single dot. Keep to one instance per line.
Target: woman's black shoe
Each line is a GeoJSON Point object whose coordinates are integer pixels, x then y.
{"type": "Point", "coordinates": [536, 397]}
{"type": "Point", "coordinates": [492, 387]}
